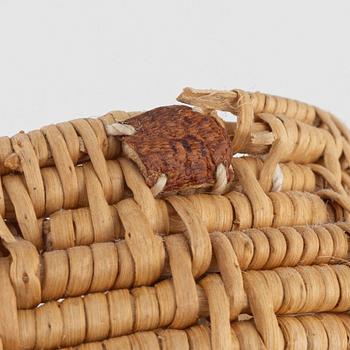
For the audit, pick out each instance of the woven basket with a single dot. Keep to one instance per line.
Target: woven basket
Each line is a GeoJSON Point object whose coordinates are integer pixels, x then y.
{"type": "Point", "coordinates": [175, 229]}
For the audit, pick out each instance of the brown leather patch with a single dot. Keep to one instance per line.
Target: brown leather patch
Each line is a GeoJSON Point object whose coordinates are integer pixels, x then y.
{"type": "Point", "coordinates": [185, 145]}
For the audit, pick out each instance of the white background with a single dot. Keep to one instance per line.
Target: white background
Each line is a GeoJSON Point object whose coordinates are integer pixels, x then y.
{"type": "Point", "coordinates": [61, 60]}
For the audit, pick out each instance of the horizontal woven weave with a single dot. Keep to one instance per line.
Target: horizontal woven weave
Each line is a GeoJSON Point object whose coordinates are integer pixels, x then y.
{"type": "Point", "coordinates": [94, 255]}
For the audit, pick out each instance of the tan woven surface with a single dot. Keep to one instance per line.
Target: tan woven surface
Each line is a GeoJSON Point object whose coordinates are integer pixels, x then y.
{"type": "Point", "coordinates": [96, 255]}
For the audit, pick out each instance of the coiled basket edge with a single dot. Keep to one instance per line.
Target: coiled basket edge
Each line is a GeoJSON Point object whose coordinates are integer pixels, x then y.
{"type": "Point", "coordinates": [177, 229]}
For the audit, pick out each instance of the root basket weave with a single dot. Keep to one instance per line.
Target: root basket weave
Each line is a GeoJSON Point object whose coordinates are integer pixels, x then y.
{"type": "Point", "coordinates": [175, 229]}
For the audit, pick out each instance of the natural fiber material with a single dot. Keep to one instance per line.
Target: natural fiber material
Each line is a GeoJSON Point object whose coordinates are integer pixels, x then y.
{"type": "Point", "coordinates": [184, 145]}
{"type": "Point", "coordinates": [175, 229]}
